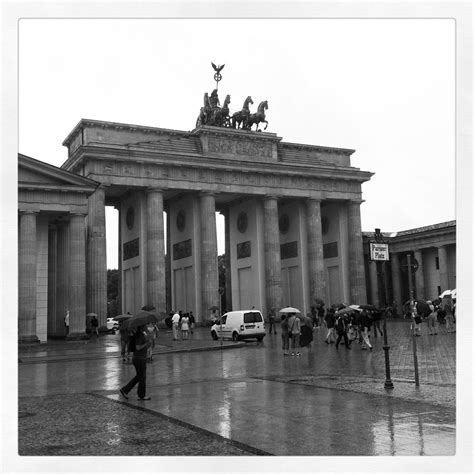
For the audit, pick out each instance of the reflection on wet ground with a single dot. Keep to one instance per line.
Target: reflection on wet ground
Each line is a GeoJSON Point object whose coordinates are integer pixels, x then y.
{"type": "Point", "coordinates": [325, 402]}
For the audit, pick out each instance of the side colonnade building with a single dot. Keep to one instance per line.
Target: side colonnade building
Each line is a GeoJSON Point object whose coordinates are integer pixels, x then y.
{"type": "Point", "coordinates": [433, 252]}
{"type": "Point", "coordinates": [292, 222]}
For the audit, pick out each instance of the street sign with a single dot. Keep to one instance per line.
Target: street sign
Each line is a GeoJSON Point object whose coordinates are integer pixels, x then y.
{"type": "Point", "coordinates": [379, 252]}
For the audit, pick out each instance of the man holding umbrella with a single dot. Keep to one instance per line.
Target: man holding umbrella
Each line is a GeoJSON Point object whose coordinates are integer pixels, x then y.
{"type": "Point", "coordinates": [138, 344]}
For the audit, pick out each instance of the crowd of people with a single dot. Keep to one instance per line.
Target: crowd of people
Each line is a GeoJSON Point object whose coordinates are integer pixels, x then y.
{"type": "Point", "coordinates": [357, 326]}
{"type": "Point", "coordinates": [182, 324]}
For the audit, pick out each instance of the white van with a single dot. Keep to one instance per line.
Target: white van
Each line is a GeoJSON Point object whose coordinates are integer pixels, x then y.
{"type": "Point", "coordinates": [238, 325]}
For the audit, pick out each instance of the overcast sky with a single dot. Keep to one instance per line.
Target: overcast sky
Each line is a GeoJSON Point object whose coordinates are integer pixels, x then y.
{"type": "Point", "coordinates": [384, 87]}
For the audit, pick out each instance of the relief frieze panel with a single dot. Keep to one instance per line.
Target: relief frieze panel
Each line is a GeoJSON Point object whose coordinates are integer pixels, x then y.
{"type": "Point", "coordinates": [239, 147]}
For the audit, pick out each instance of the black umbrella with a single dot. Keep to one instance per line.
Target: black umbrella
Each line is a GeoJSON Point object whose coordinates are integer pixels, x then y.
{"type": "Point", "coordinates": [148, 307]}
{"type": "Point", "coordinates": [122, 317]}
{"type": "Point", "coordinates": [319, 301]}
{"type": "Point", "coordinates": [140, 319]}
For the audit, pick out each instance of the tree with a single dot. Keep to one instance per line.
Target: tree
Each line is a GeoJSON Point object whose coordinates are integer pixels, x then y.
{"type": "Point", "coordinates": [112, 293]}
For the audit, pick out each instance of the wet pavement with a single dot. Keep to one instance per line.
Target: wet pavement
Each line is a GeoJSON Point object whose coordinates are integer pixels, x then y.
{"type": "Point", "coordinates": [244, 400]}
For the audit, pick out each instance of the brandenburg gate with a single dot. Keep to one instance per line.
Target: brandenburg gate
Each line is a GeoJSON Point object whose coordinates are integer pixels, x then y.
{"type": "Point", "coordinates": [292, 217]}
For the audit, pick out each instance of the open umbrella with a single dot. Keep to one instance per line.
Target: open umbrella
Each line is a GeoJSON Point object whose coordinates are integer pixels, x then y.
{"type": "Point", "coordinates": [148, 307]}
{"type": "Point", "coordinates": [289, 310]}
{"type": "Point", "coordinates": [347, 310]}
{"type": "Point", "coordinates": [122, 317]}
{"type": "Point", "coordinates": [448, 293]}
{"type": "Point", "coordinates": [140, 319]}
{"type": "Point", "coordinates": [319, 301]}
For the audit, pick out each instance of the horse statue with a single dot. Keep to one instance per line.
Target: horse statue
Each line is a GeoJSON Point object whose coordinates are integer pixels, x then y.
{"type": "Point", "coordinates": [221, 116]}
{"type": "Point", "coordinates": [257, 117]}
{"type": "Point", "coordinates": [205, 113]}
{"type": "Point", "coordinates": [242, 116]}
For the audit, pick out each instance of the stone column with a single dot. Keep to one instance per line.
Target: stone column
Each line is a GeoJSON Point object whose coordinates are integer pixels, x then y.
{"type": "Point", "coordinates": [228, 273]}
{"type": "Point", "coordinates": [374, 284]}
{"type": "Point", "coordinates": [52, 280]}
{"type": "Point", "coordinates": [317, 281]}
{"type": "Point", "coordinates": [443, 268]}
{"type": "Point", "coordinates": [156, 289]}
{"type": "Point", "coordinates": [209, 272]}
{"type": "Point", "coordinates": [397, 291]}
{"type": "Point", "coordinates": [77, 277]}
{"type": "Point", "coordinates": [120, 256]}
{"type": "Point", "coordinates": [27, 278]}
{"type": "Point", "coordinates": [272, 256]}
{"type": "Point", "coordinates": [168, 262]}
{"type": "Point", "coordinates": [97, 256]}
{"type": "Point", "coordinates": [358, 291]}
{"type": "Point", "coordinates": [419, 276]}
{"type": "Point", "coordinates": [62, 278]}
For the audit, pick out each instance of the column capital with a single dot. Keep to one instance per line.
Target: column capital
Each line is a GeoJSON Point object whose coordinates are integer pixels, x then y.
{"type": "Point", "coordinates": [78, 214]}
{"type": "Point", "coordinates": [28, 212]}
{"type": "Point", "coordinates": [208, 193]}
{"type": "Point", "coordinates": [314, 199]}
{"type": "Point", "coordinates": [155, 190]}
{"type": "Point", "coordinates": [271, 196]}
{"type": "Point", "coordinates": [355, 201]}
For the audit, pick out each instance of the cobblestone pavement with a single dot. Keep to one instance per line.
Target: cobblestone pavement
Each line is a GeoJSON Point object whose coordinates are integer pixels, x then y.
{"type": "Point", "coordinates": [241, 402]}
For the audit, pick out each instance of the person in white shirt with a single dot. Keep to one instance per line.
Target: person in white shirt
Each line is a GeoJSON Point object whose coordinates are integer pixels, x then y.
{"type": "Point", "coordinates": [175, 321]}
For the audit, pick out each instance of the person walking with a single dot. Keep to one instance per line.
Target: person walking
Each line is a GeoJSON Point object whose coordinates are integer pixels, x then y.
{"type": "Point", "coordinates": [330, 320]}
{"type": "Point", "coordinates": [271, 321]}
{"type": "Point", "coordinates": [376, 318]}
{"type": "Point", "coordinates": [285, 337]}
{"type": "Point", "coordinates": [447, 306]}
{"type": "Point", "coordinates": [139, 344]}
{"type": "Point", "coordinates": [185, 326]}
{"type": "Point", "coordinates": [175, 322]}
{"type": "Point", "coordinates": [321, 313]}
{"type": "Point", "coordinates": [152, 334]}
{"type": "Point", "coordinates": [417, 322]}
{"type": "Point", "coordinates": [341, 331]}
{"type": "Point", "coordinates": [432, 320]}
{"type": "Point", "coordinates": [66, 322]}
{"type": "Point", "coordinates": [95, 326]}
{"type": "Point", "coordinates": [294, 326]}
{"type": "Point", "coordinates": [365, 322]}
{"type": "Point", "coordinates": [124, 339]}
{"type": "Point", "coordinates": [192, 322]}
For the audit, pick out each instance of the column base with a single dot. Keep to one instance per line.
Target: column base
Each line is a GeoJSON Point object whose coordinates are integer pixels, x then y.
{"type": "Point", "coordinates": [28, 340]}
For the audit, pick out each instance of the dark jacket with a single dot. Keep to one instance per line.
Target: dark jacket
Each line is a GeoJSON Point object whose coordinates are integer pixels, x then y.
{"type": "Point", "coordinates": [330, 320]}
{"type": "Point", "coordinates": [340, 325]}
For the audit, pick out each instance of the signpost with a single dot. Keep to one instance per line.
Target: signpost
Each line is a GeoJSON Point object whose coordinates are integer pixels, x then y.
{"type": "Point", "coordinates": [379, 254]}
{"type": "Point", "coordinates": [412, 312]}
{"type": "Point", "coordinates": [221, 292]}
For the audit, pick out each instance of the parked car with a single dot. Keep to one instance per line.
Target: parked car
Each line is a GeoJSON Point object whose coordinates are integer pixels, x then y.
{"type": "Point", "coordinates": [237, 325]}
{"type": "Point", "coordinates": [112, 325]}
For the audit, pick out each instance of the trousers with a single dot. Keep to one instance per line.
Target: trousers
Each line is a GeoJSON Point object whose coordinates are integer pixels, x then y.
{"type": "Point", "coordinates": [140, 377]}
